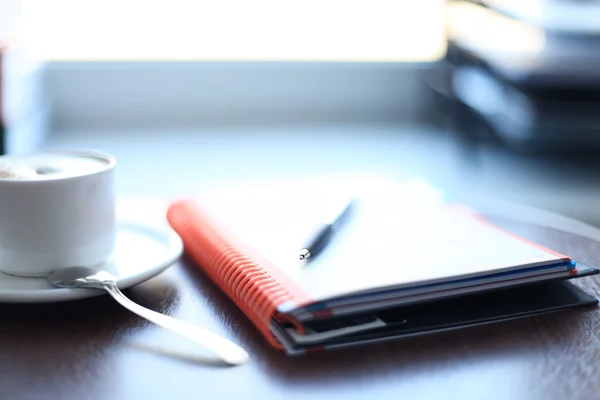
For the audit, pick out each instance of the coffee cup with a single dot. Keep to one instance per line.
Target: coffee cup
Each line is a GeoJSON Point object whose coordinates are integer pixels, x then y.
{"type": "Point", "coordinates": [57, 210]}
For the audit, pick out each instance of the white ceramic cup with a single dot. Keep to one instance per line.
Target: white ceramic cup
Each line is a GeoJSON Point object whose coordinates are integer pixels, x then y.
{"type": "Point", "coordinates": [57, 210]}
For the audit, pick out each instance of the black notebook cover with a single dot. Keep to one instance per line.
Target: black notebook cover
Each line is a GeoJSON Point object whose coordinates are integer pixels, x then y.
{"type": "Point", "coordinates": [459, 312]}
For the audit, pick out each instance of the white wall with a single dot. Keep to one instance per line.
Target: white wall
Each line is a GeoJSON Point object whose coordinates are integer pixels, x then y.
{"type": "Point", "coordinates": [10, 18]}
{"type": "Point", "coordinates": [119, 95]}
{"type": "Point", "coordinates": [25, 105]}
{"type": "Point", "coordinates": [108, 66]}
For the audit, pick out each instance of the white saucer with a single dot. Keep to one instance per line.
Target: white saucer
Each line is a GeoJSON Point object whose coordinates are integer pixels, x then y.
{"type": "Point", "coordinates": [142, 252]}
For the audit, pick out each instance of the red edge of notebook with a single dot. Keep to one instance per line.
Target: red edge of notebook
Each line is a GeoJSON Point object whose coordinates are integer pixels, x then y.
{"type": "Point", "coordinates": [472, 213]}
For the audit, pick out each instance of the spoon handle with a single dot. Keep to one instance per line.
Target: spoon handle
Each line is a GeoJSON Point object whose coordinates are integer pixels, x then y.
{"type": "Point", "coordinates": [226, 350]}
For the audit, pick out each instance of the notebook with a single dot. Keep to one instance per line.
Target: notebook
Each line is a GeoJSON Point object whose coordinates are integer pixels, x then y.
{"type": "Point", "coordinates": [400, 248]}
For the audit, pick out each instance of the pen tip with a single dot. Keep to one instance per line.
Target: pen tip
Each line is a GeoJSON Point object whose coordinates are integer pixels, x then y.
{"type": "Point", "coordinates": [304, 254]}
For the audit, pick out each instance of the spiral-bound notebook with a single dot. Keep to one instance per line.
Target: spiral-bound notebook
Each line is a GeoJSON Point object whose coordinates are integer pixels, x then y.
{"type": "Point", "coordinates": [402, 265]}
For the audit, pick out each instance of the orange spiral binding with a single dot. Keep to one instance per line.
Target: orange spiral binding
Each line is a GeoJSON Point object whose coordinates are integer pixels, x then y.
{"type": "Point", "coordinates": [255, 285]}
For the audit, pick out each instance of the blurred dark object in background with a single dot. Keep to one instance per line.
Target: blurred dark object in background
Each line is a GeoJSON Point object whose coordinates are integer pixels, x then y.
{"type": "Point", "coordinates": [528, 72]}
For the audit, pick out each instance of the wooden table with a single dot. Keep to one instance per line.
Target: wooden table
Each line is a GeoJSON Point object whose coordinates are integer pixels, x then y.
{"type": "Point", "coordinates": [94, 349]}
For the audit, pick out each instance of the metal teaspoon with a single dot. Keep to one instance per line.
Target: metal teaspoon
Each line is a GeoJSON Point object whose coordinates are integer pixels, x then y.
{"type": "Point", "coordinates": [84, 277]}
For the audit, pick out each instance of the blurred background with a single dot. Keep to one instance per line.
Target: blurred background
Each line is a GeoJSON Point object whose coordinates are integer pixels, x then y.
{"type": "Point", "coordinates": [492, 97]}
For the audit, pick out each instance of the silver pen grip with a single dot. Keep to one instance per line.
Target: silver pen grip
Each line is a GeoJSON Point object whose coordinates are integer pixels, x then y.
{"type": "Point", "coordinates": [317, 242]}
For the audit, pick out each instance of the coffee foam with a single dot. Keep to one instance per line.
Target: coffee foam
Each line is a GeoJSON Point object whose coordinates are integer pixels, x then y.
{"type": "Point", "coordinates": [44, 166]}
{"type": "Point", "coordinates": [16, 171]}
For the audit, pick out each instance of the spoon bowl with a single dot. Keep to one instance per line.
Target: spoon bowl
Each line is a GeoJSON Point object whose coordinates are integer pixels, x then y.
{"type": "Point", "coordinates": [81, 277]}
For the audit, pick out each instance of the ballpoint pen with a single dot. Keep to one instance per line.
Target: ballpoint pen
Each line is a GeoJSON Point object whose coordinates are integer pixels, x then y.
{"type": "Point", "coordinates": [321, 237]}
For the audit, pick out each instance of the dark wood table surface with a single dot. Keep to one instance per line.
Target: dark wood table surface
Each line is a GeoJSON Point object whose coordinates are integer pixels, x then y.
{"type": "Point", "coordinates": [94, 349]}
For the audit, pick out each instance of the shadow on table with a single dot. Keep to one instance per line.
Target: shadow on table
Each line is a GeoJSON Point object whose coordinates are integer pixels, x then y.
{"type": "Point", "coordinates": [516, 338]}
{"type": "Point", "coordinates": [69, 340]}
